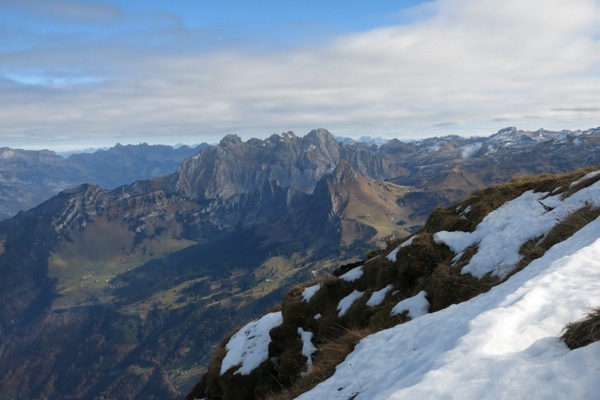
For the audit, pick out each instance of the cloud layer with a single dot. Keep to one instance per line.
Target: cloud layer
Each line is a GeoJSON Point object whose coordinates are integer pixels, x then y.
{"type": "Point", "coordinates": [458, 67]}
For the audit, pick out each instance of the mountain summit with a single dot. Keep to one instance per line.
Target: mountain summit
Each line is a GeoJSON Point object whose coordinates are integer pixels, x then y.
{"type": "Point", "coordinates": [234, 167]}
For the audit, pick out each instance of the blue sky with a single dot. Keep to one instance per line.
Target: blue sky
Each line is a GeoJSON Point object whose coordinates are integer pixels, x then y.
{"type": "Point", "coordinates": [76, 74]}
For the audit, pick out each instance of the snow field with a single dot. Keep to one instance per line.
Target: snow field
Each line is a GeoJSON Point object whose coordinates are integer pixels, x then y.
{"type": "Point", "coordinates": [249, 347]}
{"type": "Point", "coordinates": [502, 232]}
{"type": "Point", "coordinates": [503, 344]}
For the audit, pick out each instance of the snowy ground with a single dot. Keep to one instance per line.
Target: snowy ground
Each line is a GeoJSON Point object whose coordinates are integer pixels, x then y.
{"type": "Point", "coordinates": [503, 344]}
{"type": "Point", "coordinates": [249, 347]}
{"type": "Point", "coordinates": [502, 232]}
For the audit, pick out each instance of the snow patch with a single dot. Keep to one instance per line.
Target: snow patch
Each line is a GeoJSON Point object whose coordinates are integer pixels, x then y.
{"type": "Point", "coordinates": [392, 256]}
{"type": "Point", "coordinates": [310, 291]}
{"type": "Point", "coordinates": [435, 148]}
{"type": "Point", "coordinates": [585, 178]}
{"type": "Point", "coordinates": [469, 150]}
{"type": "Point", "coordinates": [308, 348]}
{"type": "Point", "coordinates": [249, 347]}
{"type": "Point", "coordinates": [353, 275]}
{"type": "Point", "coordinates": [491, 149]}
{"type": "Point", "coordinates": [500, 344]}
{"type": "Point", "coordinates": [347, 301]}
{"type": "Point", "coordinates": [378, 296]}
{"type": "Point", "coordinates": [416, 306]}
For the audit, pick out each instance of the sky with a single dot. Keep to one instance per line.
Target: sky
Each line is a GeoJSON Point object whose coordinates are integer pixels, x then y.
{"type": "Point", "coordinates": [91, 73]}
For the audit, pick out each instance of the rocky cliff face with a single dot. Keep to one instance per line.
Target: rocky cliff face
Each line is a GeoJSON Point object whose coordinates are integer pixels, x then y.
{"type": "Point", "coordinates": [235, 167]}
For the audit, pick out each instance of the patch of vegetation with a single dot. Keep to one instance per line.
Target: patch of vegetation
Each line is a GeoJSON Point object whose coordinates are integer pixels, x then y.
{"type": "Point", "coordinates": [86, 266]}
{"type": "Point", "coordinates": [568, 226]}
{"type": "Point", "coordinates": [330, 355]}
{"type": "Point", "coordinates": [581, 333]}
{"type": "Point", "coordinates": [448, 286]}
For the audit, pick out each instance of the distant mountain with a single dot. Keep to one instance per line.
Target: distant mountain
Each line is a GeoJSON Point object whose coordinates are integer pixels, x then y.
{"type": "Point", "coordinates": [362, 139]}
{"type": "Point", "coordinates": [472, 306]}
{"type": "Point", "coordinates": [122, 293]}
{"type": "Point", "coordinates": [29, 177]}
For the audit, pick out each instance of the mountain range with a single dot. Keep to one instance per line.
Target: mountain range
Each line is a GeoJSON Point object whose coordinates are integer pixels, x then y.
{"type": "Point", "coordinates": [28, 177]}
{"type": "Point", "coordinates": [121, 293]}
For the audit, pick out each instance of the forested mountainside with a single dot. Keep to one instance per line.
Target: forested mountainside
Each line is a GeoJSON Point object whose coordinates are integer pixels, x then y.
{"type": "Point", "coordinates": [29, 177]}
{"type": "Point", "coordinates": [122, 293]}
{"type": "Point", "coordinates": [472, 306]}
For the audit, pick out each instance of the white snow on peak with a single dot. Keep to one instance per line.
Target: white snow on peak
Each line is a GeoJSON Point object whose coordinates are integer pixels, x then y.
{"type": "Point", "coordinates": [249, 347]}
{"type": "Point", "coordinates": [500, 344]}
{"type": "Point", "coordinates": [490, 149]}
{"type": "Point", "coordinates": [469, 150]}
{"type": "Point", "coordinates": [417, 306]}
{"type": "Point", "coordinates": [502, 232]}
{"type": "Point", "coordinates": [310, 291]}
{"type": "Point", "coordinates": [347, 301]}
{"type": "Point", "coordinates": [378, 296]}
{"type": "Point", "coordinates": [353, 275]}
{"type": "Point", "coordinates": [434, 148]}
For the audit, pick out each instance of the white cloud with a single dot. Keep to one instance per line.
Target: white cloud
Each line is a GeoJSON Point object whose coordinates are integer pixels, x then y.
{"type": "Point", "coordinates": [468, 67]}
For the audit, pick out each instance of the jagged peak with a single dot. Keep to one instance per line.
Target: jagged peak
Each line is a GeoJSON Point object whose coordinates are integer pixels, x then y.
{"type": "Point", "coordinates": [232, 138]}
{"type": "Point", "coordinates": [288, 135]}
{"type": "Point", "coordinates": [509, 129]}
{"type": "Point", "coordinates": [82, 188]}
{"type": "Point", "coordinates": [343, 174]}
{"type": "Point", "coordinates": [320, 135]}
{"type": "Point", "coordinates": [506, 133]}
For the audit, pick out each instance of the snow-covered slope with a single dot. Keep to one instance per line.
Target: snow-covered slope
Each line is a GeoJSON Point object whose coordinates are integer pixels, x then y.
{"type": "Point", "coordinates": [502, 344]}
{"type": "Point", "coordinates": [475, 305]}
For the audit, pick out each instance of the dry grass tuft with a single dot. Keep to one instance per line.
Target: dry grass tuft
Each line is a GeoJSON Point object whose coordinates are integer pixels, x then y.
{"type": "Point", "coordinates": [581, 333]}
{"type": "Point", "coordinates": [417, 261]}
{"type": "Point", "coordinates": [448, 286]}
{"type": "Point", "coordinates": [537, 247]}
{"type": "Point", "coordinates": [330, 355]}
